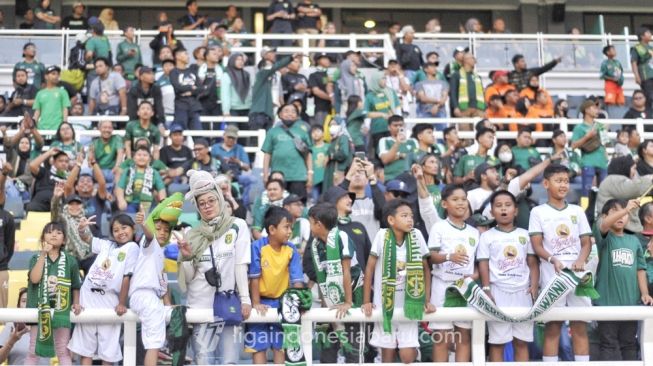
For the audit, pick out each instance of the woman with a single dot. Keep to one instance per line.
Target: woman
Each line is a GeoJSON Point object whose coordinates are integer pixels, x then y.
{"type": "Point", "coordinates": [381, 102]}
{"type": "Point", "coordinates": [14, 346]}
{"type": "Point", "coordinates": [561, 109]}
{"type": "Point", "coordinates": [645, 161]}
{"type": "Point", "coordinates": [221, 242]}
{"type": "Point", "coordinates": [236, 89]}
{"type": "Point", "coordinates": [503, 153]}
{"type": "Point", "coordinates": [340, 155]}
{"type": "Point", "coordinates": [232, 196]}
{"type": "Point", "coordinates": [106, 17]}
{"type": "Point", "coordinates": [45, 18]}
{"type": "Point", "coordinates": [431, 168]}
{"type": "Point", "coordinates": [65, 141]}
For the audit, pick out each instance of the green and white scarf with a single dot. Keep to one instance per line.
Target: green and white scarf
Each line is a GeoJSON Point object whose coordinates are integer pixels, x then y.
{"type": "Point", "coordinates": [59, 317]}
{"type": "Point", "coordinates": [146, 190]}
{"type": "Point", "coordinates": [293, 302]}
{"type": "Point", "coordinates": [414, 294]}
{"type": "Point", "coordinates": [562, 284]}
{"type": "Point", "coordinates": [463, 93]}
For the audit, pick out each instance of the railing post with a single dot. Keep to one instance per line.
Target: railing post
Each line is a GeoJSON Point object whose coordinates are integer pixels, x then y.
{"type": "Point", "coordinates": [307, 340]}
{"type": "Point", "coordinates": [478, 342]}
{"type": "Point", "coordinates": [647, 341]}
{"type": "Point", "coordinates": [129, 338]}
{"type": "Point", "coordinates": [306, 61]}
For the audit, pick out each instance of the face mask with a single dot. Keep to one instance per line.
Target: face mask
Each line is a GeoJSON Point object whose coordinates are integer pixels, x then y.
{"type": "Point", "coordinates": [334, 130]}
{"type": "Point", "coordinates": [505, 157]}
{"type": "Point", "coordinates": [287, 123]}
{"type": "Point", "coordinates": [437, 29]}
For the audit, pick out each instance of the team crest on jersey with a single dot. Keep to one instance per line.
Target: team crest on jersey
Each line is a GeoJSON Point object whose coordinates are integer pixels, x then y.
{"type": "Point", "coordinates": [121, 256]}
{"type": "Point", "coordinates": [357, 231]}
{"type": "Point", "coordinates": [574, 219]}
{"type": "Point", "coordinates": [229, 238]}
{"type": "Point", "coordinates": [472, 241]}
{"type": "Point", "coordinates": [522, 240]}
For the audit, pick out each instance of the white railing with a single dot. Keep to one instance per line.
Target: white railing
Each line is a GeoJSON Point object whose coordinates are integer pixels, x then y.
{"type": "Point", "coordinates": [600, 313]}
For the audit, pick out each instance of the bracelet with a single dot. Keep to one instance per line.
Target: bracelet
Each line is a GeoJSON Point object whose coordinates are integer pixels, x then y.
{"type": "Point", "coordinates": [310, 172]}
{"type": "Point", "coordinates": [447, 257]}
{"type": "Point", "coordinates": [485, 288]}
{"type": "Point", "coordinates": [549, 259]}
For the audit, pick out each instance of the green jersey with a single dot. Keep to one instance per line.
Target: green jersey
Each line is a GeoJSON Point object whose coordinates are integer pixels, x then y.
{"type": "Point", "coordinates": [319, 156]}
{"type": "Point", "coordinates": [51, 103]}
{"type": "Point", "coordinates": [99, 45]}
{"type": "Point", "coordinates": [70, 149]}
{"type": "Point", "coordinates": [157, 165]}
{"type": "Point", "coordinates": [135, 131]}
{"type": "Point", "coordinates": [643, 56]}
{"type": "Point", "coordinates": [613, 70]}
{"type": "Point", "coordinates": [406, 156]}
{"type": "Point", "coordinates": [128, 61]}
{"type": "Point", "coordinates": [468, 163]}
{"type": "Point", "coordinates": [620, 257]}
{"type": "Point", "coordinates": [596, 158]}
{"type": "Point", "coordinates": [378, 102]}
{"type": "Point", "coordinates": [107, 152]}
{"type": "Point", "coordinates": [138, 183]}
{"type": "Point", "coordinates": [35, 72]}
{"type": "Point", "coordinates": [354, 125]}
{"type": "Point", "coordinates": [644, 240]}
{"type": "Point", "coordinates": [284, 155]}
{"type": "Point", "coordinates": [524, 155]}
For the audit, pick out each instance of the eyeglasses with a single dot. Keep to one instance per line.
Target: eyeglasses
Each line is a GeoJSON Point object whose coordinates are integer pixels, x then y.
{"type": "Point", "coordinates": [208, 203]}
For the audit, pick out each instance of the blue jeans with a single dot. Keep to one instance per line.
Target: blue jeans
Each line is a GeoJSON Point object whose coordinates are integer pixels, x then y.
{"type": "Point", "coordinates": [589, 172]}
{"type": "Point", "coordinates": [247, 181]}
{"type": "Point", "coordinates": [189, 120]}
{"type": "Point", "coordinates": [108, 177]}
{"type": "Point", "coordinates": [442, 113]}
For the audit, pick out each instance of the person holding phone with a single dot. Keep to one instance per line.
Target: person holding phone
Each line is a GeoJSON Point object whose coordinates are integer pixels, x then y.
{"type": "Point", "coordinates": [397, 150]}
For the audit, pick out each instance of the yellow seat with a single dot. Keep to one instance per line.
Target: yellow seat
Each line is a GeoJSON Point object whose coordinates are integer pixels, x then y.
{"type": "Point", "coordinates": [169, 266]}
{"type": "Point", "coordinates": [29, 235]}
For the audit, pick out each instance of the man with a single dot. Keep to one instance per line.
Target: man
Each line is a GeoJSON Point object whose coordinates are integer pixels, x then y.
{"type": "Point", "coordinates": [7, 239]}
{"type": "Point", "coordinates": [467, 99]}
{"type": "Point", "coordinates": [308, 15]}
{"type": "Point", "coordinates": [230, 15]}
{"type": "Point", "coordinates": [167, 90]}
{"type": "Point", "coordinates": [98, 45]}
{"type": "Point", "coordinates": [423, 133]}
{"type": "Point", "coordinates": [186, 85]}
{"type": "Point", "coordinates": [499, 26]}
{"type": "Point", "coordinates": [432, 95]}
{"type": "Point", "coordinates": [218, 38]}
{"type": "Point", "coordinates": [396, 150]}
{"type": "Point", "coordinates": [81, 182]}
{"type": "Point", "coordinates": [456, 63]}
{"type": "Point", "coordinates": [367, 208]}
{"type": "Point", "coordinates": [22, 98]}
{"type": "Point", "coordinates": [211, 80]}
{"type": "Point", "coordinates": [261, 114]}
{"type": "Point", "coordinates": [409, 55]}
{"type": "Point", "coordinates": [524, 154]}
{"type": "Point", "coordinates": [638, 109]}
{"type": "Point", "coordinates": [295, 85]}
{"type": "Point", "coordinates": [107, 93]}
{"type": "Point", "coordinates": [281, 15]}
{"type": "Point", "coordinates": [28, 20]}
{"type": "Point", "coordinates": [520, 75]}
{"type": "Point", "coordinates": [202, 161]}
{"type": "Point", "coordinates": [233, 154]}
{"type": "Point", "coordinates": [143, 127]}
{"type": "Point", "coordinates": [641, 56]}
{"type": "Point", "coordinates": [464, 170]}
{"type": "Point", "coordinates": [129, 54]}
{"type": "Point", "coordinates": [146, 90]}
{"type": "Point", "coordinates": [35, 69]}
{"type": "Point", "coordinates": [45, 18]}
{"type": "Point", "coordinates": [321, 87]}
{"type": "Point", "coordinates": [177, 153]}
{"type": "Point", "coordinates": [76, 21]}
{"type": "Point", "coordinates": [495, 109]}
{"type": "Point", "coordinates": [452, 152]}
{"type": "Point", "coordinates": [433, 26]}
{"type": "Point", "coordinates": [192, 20]}
{"type": "Point", "coordinates": [51, 103]}
{"type": "Point", "coordinates": [108, 150]}
{"type": "Point", "coordinates": [509, 108]}
{"type": "Point", "coordinates": [48, 169]}
{"type": "Point", "coordinates": [487, 177]}
{"type": "Point", "coordinates": [499, 85]}
{"type": "Point", "coordinates": [397, 80]}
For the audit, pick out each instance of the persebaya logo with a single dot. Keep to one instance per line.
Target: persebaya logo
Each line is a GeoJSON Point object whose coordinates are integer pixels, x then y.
{"type": "Point", "coordinates": [563, 230]}
{"type": "Point", "coordinates": [228, 238]}
{"type": "Point", "coordinates": [574, 219]}
{"type": "Point", "coordinates": [510, 252]}
{"type": "Point", "coordinates": [522, 240]}
{"type": "Point", "coordinates": [121, 256]}
{"type": "Point", "coordinates": [472, 241]}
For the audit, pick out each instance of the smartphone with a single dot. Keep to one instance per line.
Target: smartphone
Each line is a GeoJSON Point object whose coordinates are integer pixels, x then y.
{"type": "Point", "coordinates": [402, 131]}
{"type": "Point", "coordinates": [360, 155]}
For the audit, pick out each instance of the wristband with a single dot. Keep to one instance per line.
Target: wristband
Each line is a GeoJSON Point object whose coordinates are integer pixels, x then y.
{"type": "Point", "coordinates": [486, 288]}
{"type": "Point", "coordinates": [549, 259]}
{"type": "Point", "coordinates": [447, 257]}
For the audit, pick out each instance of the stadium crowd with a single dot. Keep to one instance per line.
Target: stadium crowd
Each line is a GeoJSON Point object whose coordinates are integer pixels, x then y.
{"type": "Point", "coordinates": [407, 214]}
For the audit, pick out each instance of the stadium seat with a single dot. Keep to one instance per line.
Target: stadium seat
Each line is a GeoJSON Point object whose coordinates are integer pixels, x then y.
{"type": "Point", "coordinates": [15, 206]}
{"type": "Point", "coordinates": [574, 102]}
{"type": "Point", "coordinates": [28, 237]}
{"type": "Point", "coordinates": [615, 111]}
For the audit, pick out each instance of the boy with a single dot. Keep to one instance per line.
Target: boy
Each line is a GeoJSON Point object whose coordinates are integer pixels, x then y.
{"type": "Point", "coordinates": [613, 74]}
{"type": "Point", "coordinates": [560, 235]}
{"type": "Point", "coordinates": [525, 155]}
{"type": "Point", "coordinates": [51, 103]}
{"type": "Point", "coordinates": [453, 248]}
{"type": "Point", "coordinates": [621, 279]}
{"type": "Point", "coordinates": [301, 228]}
{"type": "Point", "coordinates": [397, 150]}
{"type": "Point", "coordinates": [463, 172]}
{"type": "Point", "coordinates": [331, 262]}
{"type": "Point", "coordinates": [149, 283]}
{"type": "Point", "coordinates": [275, 264]}
{"type": "Point", "coordinates": [398, 265]}
{"type": "Point", "coordinates": [319, 153]}
{"type": "Point", "coordinates": [140, 183]}
{"type": "Point", "coordinates": [509, 275]}
{"type": "Point", "coordinates": [646, 218]}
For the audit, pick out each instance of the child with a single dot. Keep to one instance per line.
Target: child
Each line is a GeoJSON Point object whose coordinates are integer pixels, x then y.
{"type": "Point", "coordinates": [355, 120]}
{"type": "Point", "coordinates": [341, 289]}
{"type": "Point", "coordinates": [319, 151]}
{"type": "Point", "coordinates": [560, 235]}
{"type": "Point", "coordinates": [398, 265]}
{"type": "Point", "coordinates": [53, 284]}
{"type": "Point", "coordinates": [149, 284]}
{"type": "Point", "coordinates": [613, 74]}
{"type": "Point", "coordinates": [621, 279]}
{"type": "Point", "coordinates": [509, 274]}
{"type": "Point", "coordinates": [140, 183]}
{"type": "Point", "coordinates": [301, 228]}
{"type": "Point", "coordinates": [275, 264]}
{"type": "Point", "coordinates": [340, 155]}
{"type": "Point", "coordinates": [646, 218]}
{"type": "Point", "coordinates": [621, 147]}
{"type": "Point", "coordinates": [106, 287]}
{"type": "Point", "coordinates": [453, 248]}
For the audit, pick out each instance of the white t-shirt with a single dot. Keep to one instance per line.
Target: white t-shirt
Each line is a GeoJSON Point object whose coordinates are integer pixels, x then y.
{"type": "Point", "coordinates": [507, 253]}
{"type": "Point", "coordinates": [377, 251]}
{"type": "Point", "coordinates": [149, 272]}
{"type": "Point", "coordinates": [513, 187]}
{"type": "Point", "coordinates": [304, 233]}
{"type": "Point", "coordinates": [561, 230]}
{"type": "Point", "coordinates": [232, 248]}
{"type": "Point", "coordinates": [477, 197]}
{"type": "Point", "coordinates": [445, 238]}
{"type": "Point", "coordinates": [112, 263]}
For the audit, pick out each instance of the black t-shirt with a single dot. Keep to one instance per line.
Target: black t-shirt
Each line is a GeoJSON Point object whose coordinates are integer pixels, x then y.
{"type": "Point", "coordinates": [174, 159]}
{"type": "Point", "coordinates": [304, 21]}
{"type": "Point", "coordinates": [46, 178]}
{"type": "Point", "coordinates": [26, 26]}
{"type": "Point", "coordinates": [320, 80]}
{"type": "Point", "coordinates": [634, 114]}
{"type": "Point", "coordinates": [409, 56]}
{"type": "Point", "coordinates": [288, 83]}
{"type": "Point", "coordinates": [75, 23]}
{"type": "Point", "coordinates": [188, 19]}
{"type": "Point", "coordinates": [27, 92]}
{"type": "Point", "coordinates": [280, 25]}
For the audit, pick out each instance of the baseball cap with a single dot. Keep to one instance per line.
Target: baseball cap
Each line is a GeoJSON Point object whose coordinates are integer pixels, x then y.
{"type": "Point", "coordinates": [335, 193]}
{"type": "Point", "coordinates": [396, 185]}
{"type": "Point", "coordinates": [481, 169]}
{"type": "Point", "coordinates": [231, 131]}
{"type": "Point", "coordinates": [74, 198]}
{"type": "Point", "coordinates": [499, 73]}
{"type": "Point", "coordinates": [266, 49]}
{"type": "Point", "coordinates": [52, 68]}
{"type": "Point", "coordinates": [460, 49]}
{"type": "Point", "coordinates": [320, 55]}
{"type": "Point", "coordinates": [292, 198]}
{"type": "Point", "coordinates": [175, 127]}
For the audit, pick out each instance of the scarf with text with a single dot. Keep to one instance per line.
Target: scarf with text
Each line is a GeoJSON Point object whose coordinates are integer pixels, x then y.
{"type": "Point", "coordinates": [54, 309]}
{"type": "Point", "coordinates": [146, 189]}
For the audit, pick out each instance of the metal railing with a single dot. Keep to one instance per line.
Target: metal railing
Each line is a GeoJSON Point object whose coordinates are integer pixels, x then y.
{"type": "Point", "coordinates": [599, 313]}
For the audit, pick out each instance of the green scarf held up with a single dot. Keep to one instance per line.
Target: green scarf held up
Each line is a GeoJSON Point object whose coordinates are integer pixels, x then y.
{"type": "Point", "coordinates": [167, 210]}
{"type": "Point", "coordinates": [414, 294]}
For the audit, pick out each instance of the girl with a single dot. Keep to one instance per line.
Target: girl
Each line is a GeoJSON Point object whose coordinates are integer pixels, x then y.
{"type": "Point", "coordinates": [106, 287]}
{"type": "Point", "coordinates": [355, 119]}
{"type": "Point", "coordinates": [509, 273]}
{"type": "Point", "coordinates": [53, 284]}
{"type": "Point", "coordinates": [431, 168]}
{"type": "Point", "coordinates": [453, 248]}
{"type": "Point", "coordinates": [339, 153]}
{"type": "Point", "coordinates": [65, 140]}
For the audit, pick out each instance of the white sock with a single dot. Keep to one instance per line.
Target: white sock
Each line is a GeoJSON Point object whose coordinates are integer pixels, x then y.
{"type": "Point", "coordinates": [581, 358]}
{"type": "Point", "coordinates": [549, 358]}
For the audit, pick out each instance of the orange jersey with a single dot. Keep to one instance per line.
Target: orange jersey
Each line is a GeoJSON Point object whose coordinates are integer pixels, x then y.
{"type": "Point", "coordinates": [497, 89]}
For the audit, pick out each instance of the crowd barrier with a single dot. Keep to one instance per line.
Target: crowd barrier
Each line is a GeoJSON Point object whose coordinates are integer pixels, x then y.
{"type": "Point", "coordinates": [599, 313]}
